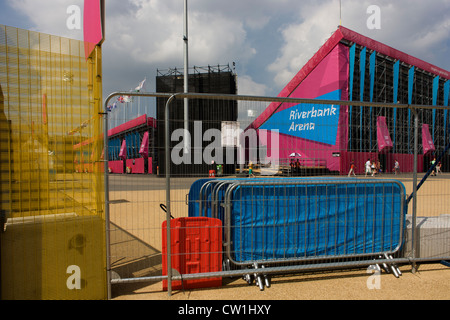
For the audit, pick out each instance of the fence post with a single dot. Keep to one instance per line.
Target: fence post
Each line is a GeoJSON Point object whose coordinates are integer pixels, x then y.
{"type": "Point", "coordinates": [168, 212]}
{"type": "Point", "coordinates": [414, 208]}
{"type": "Point", "coordinates": [106, 186]}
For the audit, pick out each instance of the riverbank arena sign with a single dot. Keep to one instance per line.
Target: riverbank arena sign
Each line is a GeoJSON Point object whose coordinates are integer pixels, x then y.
{"type": "Point", "coordinates": [314, 122]}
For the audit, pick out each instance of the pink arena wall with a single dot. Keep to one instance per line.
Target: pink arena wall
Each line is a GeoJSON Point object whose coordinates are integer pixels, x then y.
{"type": "Point", "coordinates": [326, 72]}
{"type": "Point", "coordinates": [406, 161]}
{"type": "Point", "coordinates": [329, 75]}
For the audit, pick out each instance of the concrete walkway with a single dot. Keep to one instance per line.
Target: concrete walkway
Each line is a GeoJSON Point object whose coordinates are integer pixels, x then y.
{"type": "Point", "coordinates": [432, 281]}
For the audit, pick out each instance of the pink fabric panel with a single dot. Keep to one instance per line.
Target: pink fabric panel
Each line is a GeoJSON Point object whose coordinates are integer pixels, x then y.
{"type": "Point", "coordinates": [383, 137]}
{"type": "Point", "coordinates": [123, 150]}
{"type": "Point", "coordinates": [92, 25]}
{"type": "Point", "coordinates": [311, 65]}
{"type": "Point", "coordinates": [406, 161]}
{"type": "Point", "coordinates": [144, 146]}
{"type": "Point", "coordinates": [116, 166]}
{"type": "Point", "coordinates": [151, 122]}
{"type": "Point", "coordinates": [138, 166]}
{"type": "Point", "coordinates": [427, 141]}
{"type": "Point", "coordinates": [150, 166]}
{"type": "Point", "coordinates": [359, 159]}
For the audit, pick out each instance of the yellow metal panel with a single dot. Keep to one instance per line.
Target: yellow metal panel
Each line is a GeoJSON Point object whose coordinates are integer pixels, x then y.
{"type": "Point", "coordinates": [53, 205]}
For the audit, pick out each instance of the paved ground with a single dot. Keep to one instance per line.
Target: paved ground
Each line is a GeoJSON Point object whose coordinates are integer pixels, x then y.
{"type": "Point", "coordinates": [432, 281]}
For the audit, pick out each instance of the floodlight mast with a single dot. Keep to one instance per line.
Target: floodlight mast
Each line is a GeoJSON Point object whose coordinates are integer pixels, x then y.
{"type": "Point", "coordinates": [186, 78]}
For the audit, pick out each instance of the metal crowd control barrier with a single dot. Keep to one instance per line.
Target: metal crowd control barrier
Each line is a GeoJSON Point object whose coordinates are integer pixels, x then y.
{"type": "Point", "coordinates": [303, 220]}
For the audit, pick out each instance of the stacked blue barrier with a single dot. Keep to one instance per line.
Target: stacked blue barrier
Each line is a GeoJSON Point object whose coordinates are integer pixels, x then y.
{"type": "Point", "coordinates": [296, 219]}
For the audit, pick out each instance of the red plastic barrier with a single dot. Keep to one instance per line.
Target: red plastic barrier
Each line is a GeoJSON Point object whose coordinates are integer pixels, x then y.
{"type": "Point", "coordinates": [196, 247]}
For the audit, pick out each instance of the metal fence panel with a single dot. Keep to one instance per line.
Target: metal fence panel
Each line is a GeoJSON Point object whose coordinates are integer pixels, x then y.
{"type": "Point", "coordinates": [310, 218]}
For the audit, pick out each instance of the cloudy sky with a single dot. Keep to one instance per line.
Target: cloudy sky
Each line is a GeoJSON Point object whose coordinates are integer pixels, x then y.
{"type": "Point", "coordinates": [268, 40]}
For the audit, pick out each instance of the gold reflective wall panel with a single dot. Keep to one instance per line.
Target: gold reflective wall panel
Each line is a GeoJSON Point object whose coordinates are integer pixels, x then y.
{"type": "Point", "coordinates": [51, 173]}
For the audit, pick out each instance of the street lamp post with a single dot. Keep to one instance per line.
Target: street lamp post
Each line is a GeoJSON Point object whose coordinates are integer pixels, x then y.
{"type": "Point", "coordinates": [186, 78]}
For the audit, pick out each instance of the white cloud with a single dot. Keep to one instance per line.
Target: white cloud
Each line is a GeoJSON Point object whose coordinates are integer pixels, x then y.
{"type": "Point", "coordinates": [419, 28]}
{"type": "Point", "coordinates": [303, 38]}
{"type": "Point", "coordinates": [153, 34]}
{"type": "Point", "coordinates": [49, 16]}
{"type": "Point", "coordinates": [277, 37]}
{"type": "Point", "coordinates": [247, 86]}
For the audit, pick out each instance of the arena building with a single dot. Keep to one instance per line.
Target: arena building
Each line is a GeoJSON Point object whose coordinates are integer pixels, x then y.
{"type": "Point", "coordinates": [350, 66]}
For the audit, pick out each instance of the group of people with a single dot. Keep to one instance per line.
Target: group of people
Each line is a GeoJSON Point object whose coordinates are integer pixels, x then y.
{"type": "Point", "coordinates": [373, 168]}
{"type": "Point", "coordinates": [295, 167]}
{"type": "Point", "coordinates": [437, 169]}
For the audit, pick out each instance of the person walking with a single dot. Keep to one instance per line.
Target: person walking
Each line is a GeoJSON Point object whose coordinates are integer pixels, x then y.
{"type": "Point", "coordinates": [433, 173]}
{"type": "Point", "coordinates": [396, 167]}
{"type": "Point", "coordinates": [352, 169]}
{"type": "Point", "coordinates": [368, 165]}
{"type": "Point", "coordinates": [438, 168]}
{"type": "Point", "coordinates": [374, 168]}
{"type": "Point", "coordinates": [250, 170]}
{"type": "Point", "coordinates": [292, 165]}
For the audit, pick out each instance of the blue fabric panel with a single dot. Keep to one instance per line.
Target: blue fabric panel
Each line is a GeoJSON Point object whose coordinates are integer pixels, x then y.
{"type": "Point", "coordinates": [270, 222]}
{"type": "Point", "coordinates": [137, 144]}
{"type": "Point", "coordinates": [352, 72]}
{"type": "Point", "coordinates": [114, 149]}
{"type": "Point", "coordinates": [410, 95]}
{"type": "Point", "coordinates": [193, 197]}
{"type": "Point", "coordinates": [396, 78]}
{"type": "Point", "coordinates": [372, 63]}
{"type": "Point", "coordinates": [446, 92]}
{"type": "Point", "coordinates": [373, 57]}
{"type": "Point", "coordinates": [302, 221]}
{"type": "Point", "coordinates": [410, 84]}
{"type": "Point", "coordinates": [352, 69]}
{"type": "Point", "coordinates": [446, 102]}
{"type": "Point", "coordinates": [196, 189]}
{"type": "Point", "coordinates": [435, 97]}
{"type": "Point", "coordinates": [128, 145]}
{"type": "Point", "coordinates": [362, 70]}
